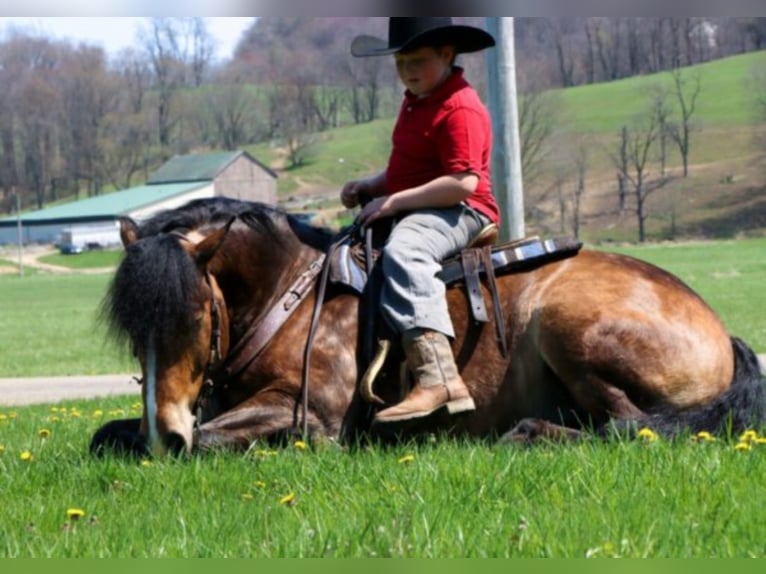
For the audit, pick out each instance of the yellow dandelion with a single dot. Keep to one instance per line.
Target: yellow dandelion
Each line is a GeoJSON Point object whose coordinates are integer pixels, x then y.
{"type": "Point", "coordinates": [2, 448]}
{"type": "Point", "coordinates": [760, 440]}
{"type": "Point", "coordinates": [146, 462]}
{"type": "Point", "coordinates": [54, 409]}
{"type": "Point", "coordinates": [748, 436]}
{"type": "Point", "coordinates": [259, 484]}
{"type": "Point", "coordinates": [98, 413]}
{"type": "Point", "coordinates": [743, 446]}
{"type": "Point", "coordinates": [75, 414]}
{"type": "Point", "coordinates": [407, 458]}
{"type": "Point", "coordinates": [704, 436]}
{"type": "Point", "coordinates": [26, 456]}
{"type": "Point", "coordinates": [300, 445]}
{"type": "Point", "coordinates": [136, 406]}
{"type": "Point", "coordinates": [54, 419]}
{"type": "Point", "coordinates": [75, 513]}
{"type": "Point", "coordinates": [12, 415]}
{"type": "Point", "coordinates": [44, 433]}
{"type": "Point", "coordinates": [647, 434]}
{"type": "Point", "coordinates": [3, 417]}
{"type": "Point", "coordinates": [288, 499]}
{"type": "Point", "coordinates": [247, 496]}
{"type": "Point", "coordinates": [265, 453]}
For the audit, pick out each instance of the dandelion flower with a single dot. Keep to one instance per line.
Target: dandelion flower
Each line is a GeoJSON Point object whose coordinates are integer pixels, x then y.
{"type": "Point", "coordinates": [647, 434]}
{"type": "Point", "coordinates": [3, 417]}
{"type": "Point", "coordinates": [288, 500]}
{"type": "Point", "coordinates": [265, 453]}
{"type": "Point", "coordinates": [2, 448]}
{"type": "Point", "coordinates": [407, 458]}
{"type": "Point", "coordinates": [44, 433]}
{"type": "Point", "coordinates": [26, 456]}
{"type": "Point", "coordinates": [760, 440]}
{"type": "Point", "coordinates": [704, 436]}
{"type": "Point", "coordinates": [300, 445]}
{"type": "Point", "coordinates": [748, 436]}
{"type": "Point", "coordinates": [146, 462]}
{"type": "Point", "coordinates": [12, 415]}
{"type": "Point", "coordinates": [247, 496]}
{"type": "Point", "coordinates": [260, 484]}
{"type": "Point", "coordinates": [743, 446]}
{"type": "Point", "coordinates": [98, 413]}
{"type": "Point", "coordinates": [75, 513]}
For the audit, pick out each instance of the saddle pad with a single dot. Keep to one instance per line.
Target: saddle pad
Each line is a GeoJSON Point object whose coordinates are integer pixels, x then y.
{"type": "Point", "coordinates": [345, 268]}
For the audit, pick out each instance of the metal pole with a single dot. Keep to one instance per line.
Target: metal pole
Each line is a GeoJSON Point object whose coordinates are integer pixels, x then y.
{"type": "Point", "coordinates": [20, 235]}
{"type": "Point", "coordinates": [506, 152]}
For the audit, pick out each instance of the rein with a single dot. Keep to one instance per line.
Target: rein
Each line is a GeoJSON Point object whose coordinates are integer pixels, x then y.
{"type": "Point", "coordinates": [318, 301]}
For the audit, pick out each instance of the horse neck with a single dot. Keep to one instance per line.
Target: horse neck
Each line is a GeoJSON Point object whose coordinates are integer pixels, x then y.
{"type": "Point", "coordinates": [254, 273]}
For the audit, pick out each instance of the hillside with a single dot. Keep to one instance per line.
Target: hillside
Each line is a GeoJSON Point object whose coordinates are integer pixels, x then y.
{"type": "Point", "coordinates": [722, 197]}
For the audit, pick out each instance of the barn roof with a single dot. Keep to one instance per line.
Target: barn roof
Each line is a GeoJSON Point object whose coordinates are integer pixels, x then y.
{"type": "Point", "coordinates": [108, 205]}
{"type": "Point", "coordinates": [200, 167]}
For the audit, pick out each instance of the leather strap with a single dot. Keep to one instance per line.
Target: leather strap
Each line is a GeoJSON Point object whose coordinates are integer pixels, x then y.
{"type": "Point", "coordinates": [497, 307]}
{"type": "Point", "coordinates": [256, 338]}
{"type": "Point", "coordinates": [470, 262]}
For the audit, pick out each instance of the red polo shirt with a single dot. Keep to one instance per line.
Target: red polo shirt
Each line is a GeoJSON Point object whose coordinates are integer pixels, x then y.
{"type": "Point", "coordinates": [447, 132]}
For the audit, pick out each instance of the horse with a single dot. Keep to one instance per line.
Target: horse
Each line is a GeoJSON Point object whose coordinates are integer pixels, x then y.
{"type": "Point", "coordinates": [217, 300]}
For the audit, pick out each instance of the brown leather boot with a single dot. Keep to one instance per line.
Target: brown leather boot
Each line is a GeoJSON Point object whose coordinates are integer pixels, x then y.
{"type": "Point", "coordinates": [437, 381]}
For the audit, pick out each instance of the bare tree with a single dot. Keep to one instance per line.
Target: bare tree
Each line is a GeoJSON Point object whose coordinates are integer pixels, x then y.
{"type": "Point", "coordinates": [162, 40]}
{"type": "Point", "coordinates": [538, 113]}
{"type": "Point", "coordinates": [661, 110]}
{"type": "Point", "coordinates": [634, 167]}
{"type": "Point", "coordinates": [687, 88]}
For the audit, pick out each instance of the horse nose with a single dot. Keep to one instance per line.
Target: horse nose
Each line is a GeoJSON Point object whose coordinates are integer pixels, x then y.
{"type": "Point", "coordinates": [174, 443]}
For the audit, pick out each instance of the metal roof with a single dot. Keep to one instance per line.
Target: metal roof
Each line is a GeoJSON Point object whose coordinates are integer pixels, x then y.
{"type": "Point", "coordinates": [110, 204]}
{"type": "Point", "coordinates": [199, 167]}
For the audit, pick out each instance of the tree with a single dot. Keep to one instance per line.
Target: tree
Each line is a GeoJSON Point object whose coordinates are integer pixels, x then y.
{"type": "Point", "coordinates": [687, 88]}
{"type": "Point", "coordinates": [537, 119]}
{"type": "Point", "coordinates": [636, 143]}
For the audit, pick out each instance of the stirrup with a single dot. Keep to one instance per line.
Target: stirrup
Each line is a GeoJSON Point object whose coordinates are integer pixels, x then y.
{"type": "Point", "coordinates": [367, 382]}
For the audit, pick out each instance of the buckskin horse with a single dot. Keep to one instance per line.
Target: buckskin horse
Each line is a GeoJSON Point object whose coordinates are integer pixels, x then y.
{"type": "Point", "coordinates": [218, 297]}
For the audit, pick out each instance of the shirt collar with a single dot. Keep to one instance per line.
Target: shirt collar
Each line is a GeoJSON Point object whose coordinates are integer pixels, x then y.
{"type": "Point", "coordinates": [453, 83]}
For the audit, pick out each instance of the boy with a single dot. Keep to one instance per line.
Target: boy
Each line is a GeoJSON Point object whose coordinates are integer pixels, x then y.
{"type": "Point", "coordinates": [437, 186]}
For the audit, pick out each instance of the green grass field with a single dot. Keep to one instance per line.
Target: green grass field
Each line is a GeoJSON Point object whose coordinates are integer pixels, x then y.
{"type": "Point", "coordinates": [446, 499]}
{"type": "Point", "coordinates": [49, 323]}
{"type": "Point", "coordinates": [686, 498]}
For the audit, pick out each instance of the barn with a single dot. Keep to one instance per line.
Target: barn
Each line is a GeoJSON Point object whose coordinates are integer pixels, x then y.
{"type": "Point", "coordinates": [181, 179]}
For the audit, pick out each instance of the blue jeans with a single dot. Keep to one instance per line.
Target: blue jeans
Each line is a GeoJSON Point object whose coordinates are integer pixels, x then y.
{"type": "Point", "coordinates": [412, 295]}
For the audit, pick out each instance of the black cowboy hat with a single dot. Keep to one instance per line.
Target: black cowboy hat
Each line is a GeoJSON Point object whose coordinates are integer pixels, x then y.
{"type": "Point", "coordinates": [406, 34]}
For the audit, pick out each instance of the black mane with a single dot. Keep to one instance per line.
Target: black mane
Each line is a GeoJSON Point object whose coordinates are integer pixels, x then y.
{"type": "Point", "coordinates": [149, 299]}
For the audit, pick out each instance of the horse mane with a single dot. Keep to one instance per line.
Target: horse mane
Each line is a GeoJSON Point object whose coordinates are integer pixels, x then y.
{"type": "Point", "coordinates": [149, 298]}
{"type": "Point", "coordinates": [263, 218]}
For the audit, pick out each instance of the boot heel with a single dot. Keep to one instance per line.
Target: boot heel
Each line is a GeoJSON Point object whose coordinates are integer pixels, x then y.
{"type": "Point", "coordinates": [460, 406]}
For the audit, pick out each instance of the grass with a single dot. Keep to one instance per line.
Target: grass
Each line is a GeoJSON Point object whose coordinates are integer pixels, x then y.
{"type": "Point", "coordinates": [725, 98]}
{"type": "Point", "coordinates": [49, 323]}
{"type": "Point", "coordinates": [49, 326]}
{"type": "Point", "coordinates": [443, 499]}
{"type": "Point", "coordinates": [86, 259]}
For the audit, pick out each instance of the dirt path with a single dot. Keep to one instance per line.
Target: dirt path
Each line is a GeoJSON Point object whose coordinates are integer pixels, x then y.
{"type": "Point", "coordinates": [38, 390]}
{"type": "Point", "coordinates": [30, 258]}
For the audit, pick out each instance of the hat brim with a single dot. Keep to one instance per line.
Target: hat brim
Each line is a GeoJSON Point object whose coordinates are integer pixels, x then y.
{"type": "Point", "coordinates": [465, 39]}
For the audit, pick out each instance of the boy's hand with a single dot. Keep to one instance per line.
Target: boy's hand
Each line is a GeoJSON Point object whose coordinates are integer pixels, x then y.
{"type": "Point", "coordinates": [349, 195]}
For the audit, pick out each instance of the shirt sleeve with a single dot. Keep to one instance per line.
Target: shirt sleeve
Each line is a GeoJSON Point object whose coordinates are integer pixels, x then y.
{"type": "Point", "coordinates": [462, 140]}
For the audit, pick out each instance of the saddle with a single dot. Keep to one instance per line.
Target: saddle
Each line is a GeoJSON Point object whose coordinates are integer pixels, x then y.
{"type": "Point", "coordinates": [477, 265]}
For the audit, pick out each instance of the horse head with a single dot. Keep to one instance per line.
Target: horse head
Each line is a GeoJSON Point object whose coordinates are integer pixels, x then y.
{"type": "Point", "coordinates": [165, 301]}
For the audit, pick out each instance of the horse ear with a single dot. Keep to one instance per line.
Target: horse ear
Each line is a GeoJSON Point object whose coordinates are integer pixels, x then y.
{"type": "Point", "coordinates": [128, 231]}
{"type": "Point", "coordinates": [205, 249]}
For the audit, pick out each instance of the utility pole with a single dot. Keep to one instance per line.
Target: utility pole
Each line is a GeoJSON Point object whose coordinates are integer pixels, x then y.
{"type": "Point", "coordinates": [506, 152]}
{"type": "Point", "coordinates": [20, 235]}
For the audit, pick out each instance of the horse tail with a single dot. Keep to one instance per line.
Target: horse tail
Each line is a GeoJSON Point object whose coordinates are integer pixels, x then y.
{"type": "Point", "coordinates": [741, 407]}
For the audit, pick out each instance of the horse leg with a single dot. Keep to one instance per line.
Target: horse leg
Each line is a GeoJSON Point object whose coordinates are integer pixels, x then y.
{"type": "Point", "coordinates": [252, 421]}
{"type": "Point", "coordinates": [119, 437]}
{"type": "Point", "coordinates": [531, 430]}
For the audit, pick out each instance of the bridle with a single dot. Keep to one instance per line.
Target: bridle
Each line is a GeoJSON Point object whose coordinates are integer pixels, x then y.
{"type": "Point", "coordinates": [255, 339]}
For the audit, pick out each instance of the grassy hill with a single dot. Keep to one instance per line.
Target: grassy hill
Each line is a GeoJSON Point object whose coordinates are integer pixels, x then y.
{"type": "Point", "coordinates": [720, 198]}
